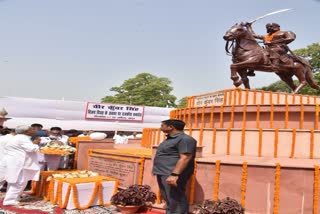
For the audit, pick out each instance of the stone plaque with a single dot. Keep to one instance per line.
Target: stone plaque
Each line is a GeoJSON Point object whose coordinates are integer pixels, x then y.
{"type": "Point", "coordinates": [215, 99]}
{"type": "Point", "coordinates": [127, 172]}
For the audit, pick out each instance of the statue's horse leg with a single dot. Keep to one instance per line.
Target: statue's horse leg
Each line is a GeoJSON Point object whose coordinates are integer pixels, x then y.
{"type": "Point", "coordinates": [287, 78]}
{"type": "Point", "coordinates": [244, 78]}
{"type": "Point", "coordinates": [299, 71]}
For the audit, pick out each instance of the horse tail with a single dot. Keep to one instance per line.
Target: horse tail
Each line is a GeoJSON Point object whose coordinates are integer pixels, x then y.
{"type": "Point", "coordinates": [310, 79]}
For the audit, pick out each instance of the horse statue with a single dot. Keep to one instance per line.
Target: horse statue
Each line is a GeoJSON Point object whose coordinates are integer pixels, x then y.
{"type": "Point", "coordinates": [249, 56]}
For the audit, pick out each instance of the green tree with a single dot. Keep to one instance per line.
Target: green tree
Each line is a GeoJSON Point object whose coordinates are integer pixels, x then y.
{"type": "Point", "coordinates": [182, 103]}
{"type": "Point", "coordinates": [143, 89]}
{"type": "Point", "coordinates": [312, 53]}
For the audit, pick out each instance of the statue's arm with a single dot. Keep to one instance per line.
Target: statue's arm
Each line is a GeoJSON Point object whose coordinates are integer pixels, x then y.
{"type": "Point", "coordinates": [287, 38]}
{"type": "Point", "coordinates": [256, 36]}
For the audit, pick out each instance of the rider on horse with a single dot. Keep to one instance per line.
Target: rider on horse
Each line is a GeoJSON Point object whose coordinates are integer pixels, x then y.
{"type": "Point", "coordinates": [276, 42]}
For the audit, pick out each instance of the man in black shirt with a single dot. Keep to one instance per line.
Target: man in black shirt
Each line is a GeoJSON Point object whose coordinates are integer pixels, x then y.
{"type": "Point", "coordinates": [174, 165]}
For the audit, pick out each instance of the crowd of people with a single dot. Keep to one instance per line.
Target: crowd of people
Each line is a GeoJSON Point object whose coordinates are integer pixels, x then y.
{"type": "Point", "coordinates": [22, 162]}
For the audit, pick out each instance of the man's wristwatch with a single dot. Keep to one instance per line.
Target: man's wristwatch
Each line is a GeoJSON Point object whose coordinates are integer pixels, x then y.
{"type": "Point", "coordinates": [174, 174]}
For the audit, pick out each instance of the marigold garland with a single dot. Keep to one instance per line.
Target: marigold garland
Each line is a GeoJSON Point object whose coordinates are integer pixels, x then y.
{"type": "Point", "coordinates": [216, 181]}
{"type": "Point", "coordinates": [196, 117]}
{"type": "Point", "coordinates": [316, 190]}
{"type": "Point", "coordinates": [262, 97]}
{"type": "Point", "coordinates": [230, 97]}
{"type": "Point", "coordinates": [276, 198]}
{"type": "Point", "coordinates": [224, 97]}
{"type": "Point", "coordinates": [260, 142]}
{"type": "Point", "coordinates": [240, 97]}
{"type": "Point", "coordinates": [314, 99]}
{"type": "Point", "coordinates": [293, 145]}
{"type": "Point", "coordinates": [286, 116]}
{"type": "Point", "coordinates": [286, 98]}
{"type": "Point", "coordinates": [317, 117]}
{"type": "Point", "coordinates": [211, 117]}
{"type": "Point", "coordinates": [243, 140]}
{"type": "Point", "coordinates": [232, 117]}
{"type": "Point", "coordinates": [255, 96]}
{"type": "Point", "coordinates": [276, 139]}
{"type": "Point", "coordinates": [234, 96]}
{"type": "Point", "coordinates": [308, 99]}
{"type": "Point", "coordinates": [140, 181]}
{"type": "Point", "coordinates": [270, 97]}
{"type": "Point", "coordinates": [293, 98]}
{"type": "Point", "coordinates": [278, 97]}
{"type": "Point", "coordinates": [159, 135]}
{"type": "Point", "coordinates": [311, 143]}
{"type": "Point", "coordinates": [244, 116]}
{"type": "Point", "coordinates": [202, 116]}
{"type": "Point", "coordinates": [228, 141]}
{"type": "Point", "coordinates": [193, 183]}
{"type": "Point", "coordinates": [271, 115]}
{"type": "Point", "coordinates": [214, 138]}
{"type": "Point", "coordinates": [244, 184]}
{"type": "Point", "coordinates": [158, 196]}
{"type": "Point", "coordinates": [269, 38]}
{"type": "Point", "coordinates": [301, 99]}
{"type": "Point", "coordinates": [201, 136]}
{"type": "Point", "coordinates": [190, 131]}
{"type": "Point", "coordinates": [302, 116]}
{"type": "Point", "coordinates": [258, 117]}
{"type": "Point", "coordinates": [189, 117]}
{"type": "Point", "coordinates": [184, 114]}
{"type": "Point", "coordinates": [221, 116]}
{"type": "Point", "coordinates": [247, 97]}
{"type": "Point", "coordinates": [93, 196]}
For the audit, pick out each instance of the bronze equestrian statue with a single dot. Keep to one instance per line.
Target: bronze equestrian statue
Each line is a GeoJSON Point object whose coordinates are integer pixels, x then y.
{"type": "Point", "coordinates": [248, 56]}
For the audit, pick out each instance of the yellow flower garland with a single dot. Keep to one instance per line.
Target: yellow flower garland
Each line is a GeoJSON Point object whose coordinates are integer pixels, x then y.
{"type": "Point", "coordinates": [316, 190]}
{"type": "Point", "coordinates": [184, 114]}
{"type": "Point", "coordinates": [232, 117]}
{"type": "Point", "coordinates": [276, 136]}
{"type": "Point", "coordinates": [260, 142]}
{"type": "Point", "coordinates": [243, 140]}
{"type": "Point", "coordinates": [228, 141]}
{"type": "Point", "coordinates": [214, 138]}
{"type": "Point", "coordinates": [202, 116]}
{"type": "Point", "coordinates": [230, 97]}
{"type": "Point", "coordinates": [75, 198]}
{"type": "Point", "coordinates": [247, 97]}
{"type": "Point", "coordinates": [278, 97]}
{"type": "Point", "coordinates": [224, 97]}
{"type": "Point", "coordinates": [317, 117]}
{"type": "Point", "coordinates": [270, 97]}
{"type": "Point", "coordinates": [276, 198]}
{"type": "Point", "coordinates": [216, 181]}
{"type": "Point", "coordinates": [196, 117]}
{"type": "Point", "coordinates": [234, 97]}
{"type": "Point", "coordinates": [244, 183]}
{"type": "Point", "coordinates": [258, 117]}
{"type": "Point", "coordinates": [301, 116]}
{"type": "Point", "coordinates": [293, 98]}
{"type": "Point", "coordinates": [286, 98]}
{"type": "Point", "coordinates": [189, 117]}
{"type": "Point", "coordinates": [140, 181]}
{"type": "Point", "coordinates": [158, 196]}
{"type": "Point", "coordinates": [314, 99]}
{"type": "Point", "coordinates": [192, 184]}
{"type": "Point", "coordinates": [301, 99]}
{"type": "Point", "coordinates": [201, 136]}
{"type": "Point", "coordinates": [293, 145]}
{"type": "Point", "coordinates": [240, 97]}
{"type": "Point", "coordinates": [255, 96]}
{"type": "Point", "coordinates": [221, 116]}
{"type": "Point", "coordinates": [308, 99]}
{"type": "Point", "coordinates": [271, 115]}
{"type": "Point", "coordinates": [311, 143]}
{"type": "Point", "coordinates": [244, 116]}
{"type": "Point", "coordinates": [262, 97]}
{"type": "Point", "coordinates": [286, 117]}
{"type": "Point", "coordinates": [158, 138]}
{"type": "Point", "coordinates": [211, 117]}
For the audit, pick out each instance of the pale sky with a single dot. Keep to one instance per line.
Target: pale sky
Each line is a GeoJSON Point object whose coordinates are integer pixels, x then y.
{"type": "Point", "coordinates": [78, 50]}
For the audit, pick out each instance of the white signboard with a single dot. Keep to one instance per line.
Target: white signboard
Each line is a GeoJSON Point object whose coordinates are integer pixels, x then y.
{"type": "Point", "coordinates": [214, 99]}
{"type": "Point", "coordinates": [107, 111]}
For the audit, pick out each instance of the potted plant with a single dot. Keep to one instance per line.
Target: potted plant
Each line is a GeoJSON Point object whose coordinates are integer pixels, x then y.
{"type": "Point", "coordinates": [224, 206]}
{"type": "Point", "coordinates": [131, 199]}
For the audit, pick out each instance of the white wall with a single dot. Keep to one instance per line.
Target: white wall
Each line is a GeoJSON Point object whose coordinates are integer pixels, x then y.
{"type": "Point", "coordinates": [71, 115]}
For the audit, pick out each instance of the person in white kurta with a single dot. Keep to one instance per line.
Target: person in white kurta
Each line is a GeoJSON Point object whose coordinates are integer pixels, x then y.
{"type": "Point", "coordinates": [55, 161]}
{"type": "Point", "coordinates": [120, 138]}
{"type": "Point", "coordinates": [20, 164]}
{"type": "Point", "coordinates": [3, 140]}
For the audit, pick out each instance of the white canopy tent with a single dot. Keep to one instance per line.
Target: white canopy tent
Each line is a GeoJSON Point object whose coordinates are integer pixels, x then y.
{"type": "Point", "coordinates": [71, 115]}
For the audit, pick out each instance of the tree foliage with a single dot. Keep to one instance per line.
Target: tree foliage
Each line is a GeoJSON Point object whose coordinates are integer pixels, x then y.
{"type": "Point", "coordinates": [143, 89]}
{"type": "Point", "coordinates": [312, 53]}
{"type": "Point", "coordinates": [182, 103]}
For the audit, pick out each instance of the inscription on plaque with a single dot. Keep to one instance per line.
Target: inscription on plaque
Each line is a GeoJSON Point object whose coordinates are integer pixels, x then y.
{"type": "Point", "coordinates": [127, 172]}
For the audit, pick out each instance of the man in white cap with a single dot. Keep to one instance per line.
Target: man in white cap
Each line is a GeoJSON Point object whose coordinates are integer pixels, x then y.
{"type": "Point", "coordinates": [19, 164]}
